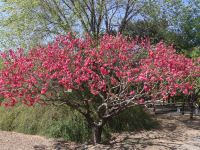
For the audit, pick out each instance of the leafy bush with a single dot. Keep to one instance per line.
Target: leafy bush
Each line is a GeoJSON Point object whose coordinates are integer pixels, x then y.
{"type": "Point", "coordinates": [45, 120]}
{"type": "Point", "coordinates": [132, 119]}
{"type": "Point", "coordinates": [194, 53]}
{"type": "Point", "coordinates": [64, 123]}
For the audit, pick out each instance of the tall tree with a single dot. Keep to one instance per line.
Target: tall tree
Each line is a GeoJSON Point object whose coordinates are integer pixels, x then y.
{"type": "Point", "coordinates": [154, 30]}
{"type": "Point", "coordinates": [42, 19]}
{"type": "Point", "coordinates": [25, 23]}
{"type": "Point", "coordinates": [96, 16]}
{"type": "Point", "coordinates": [175, 22]}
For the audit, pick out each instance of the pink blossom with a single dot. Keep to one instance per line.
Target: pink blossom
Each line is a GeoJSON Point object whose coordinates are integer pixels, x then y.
{"type": "Point", "coordinates": [103, 71]}
{"type": "Point", "coordinates": [132, 93]}
{"type": "Point", "coordinates": [44, 90]}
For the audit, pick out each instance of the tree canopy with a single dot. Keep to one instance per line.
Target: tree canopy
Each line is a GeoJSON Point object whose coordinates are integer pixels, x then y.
{"type": "Point", "coordinates": [28, 24]}
{"type": "Point", "coordinates": [99, 81]}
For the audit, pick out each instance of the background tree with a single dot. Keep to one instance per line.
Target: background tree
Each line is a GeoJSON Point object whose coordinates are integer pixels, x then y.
{"type": "Point", "coordinates": [155, 31]}
{"type": "Point", "coordinates": [174, 22]}
{"type": "Point", "coordinates": [43, 19]}
{"type": "Point", "coordinates": [27, 24]}
{"type": "Point", "coordinates": [184, 18]}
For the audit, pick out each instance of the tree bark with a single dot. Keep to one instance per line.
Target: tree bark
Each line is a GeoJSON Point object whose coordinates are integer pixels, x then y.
{"type": "Point", "coordinates": [183, 108]}
{"type": "Point", "coordinates": [191, 106]}
{"type": "Point", "coordinates": [96, 134]}
{"type": "Point", "coordinates": [193, 99]}
{"type": "Point", "coordinates": [191, 111]}
{"type": "Point", "coordinates": [154, 109]}
{"type": "Point", "coordinates": [96, 127]}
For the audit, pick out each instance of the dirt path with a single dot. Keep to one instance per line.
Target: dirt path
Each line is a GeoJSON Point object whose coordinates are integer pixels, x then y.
{"type": "Point", "coordinates": [18, 141]}
{"type": "Point", "coordinates": [174, 133]}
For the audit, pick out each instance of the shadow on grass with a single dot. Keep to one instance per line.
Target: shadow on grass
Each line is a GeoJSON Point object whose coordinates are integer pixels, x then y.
{"type": "Point", "coordinates": [133, 119]}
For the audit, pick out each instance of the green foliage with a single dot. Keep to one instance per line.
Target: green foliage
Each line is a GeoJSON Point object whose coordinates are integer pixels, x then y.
{"type": "Point", "coordinates": [26, 24]}
{"type": "Point", "coordinates": [175, 22]}
{"type": "Point", "coordinates": [45, 120]}
{"type": "Point", "coordinates": [17, 23]}
{"type": "Point", "coordinates": [56, 122]}
{"type": "Point", "coordinates": [132, 119]}
{"type": "Point", "coordinates": [194, 53]}
{"type": "Point", "coordinates": [155, 30]}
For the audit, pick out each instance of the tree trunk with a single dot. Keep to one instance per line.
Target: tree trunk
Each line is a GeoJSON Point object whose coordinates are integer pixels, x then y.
{"type": "Point", "coordinates": [96, 128]}
{"type": "Point", "coordinates": [183, 108]}
{"type": "Point", "coordinates": [191, 107]}
{"type": "Point", "coordinates": [192, 101]}
{"type": "Point", "coordinates": [191, 111]}
{"type": "Point", "coordinates": [96, 134]}
{"type": "Point", "coordinates": [154, 109]}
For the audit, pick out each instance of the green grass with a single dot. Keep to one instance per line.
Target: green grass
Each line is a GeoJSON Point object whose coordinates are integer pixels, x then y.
{"type": "Point", "coordinates": [62, 122]}
{"type": "Point", "coordinates": [44, 120]}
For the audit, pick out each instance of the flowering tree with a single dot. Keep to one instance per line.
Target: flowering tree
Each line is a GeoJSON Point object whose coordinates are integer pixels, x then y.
{"type": "Point", "coordinates": [168, 74]}
{"type": "Point", "coordinates": [99, 80]}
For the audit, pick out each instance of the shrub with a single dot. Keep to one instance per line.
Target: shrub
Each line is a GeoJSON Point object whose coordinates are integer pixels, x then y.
{"type": "Point", "coordinates": [64, 123]}
{"type": "Point", "coordinates": [48, 121]}
{"type": "Point", "coordinates": [132, 119]}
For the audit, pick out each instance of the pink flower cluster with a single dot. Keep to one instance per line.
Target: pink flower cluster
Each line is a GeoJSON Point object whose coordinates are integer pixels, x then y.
{"type": "Point", "coordinates": [166, 73]}
{"type": "Point", "coordinates": [74, 64]}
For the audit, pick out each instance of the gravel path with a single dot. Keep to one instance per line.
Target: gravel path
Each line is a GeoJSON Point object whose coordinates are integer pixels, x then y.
{"type": "Point", "coordinates": [174, 133]}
